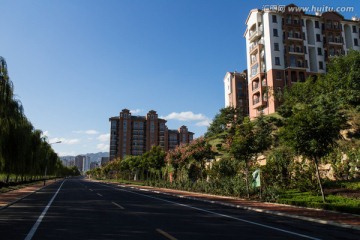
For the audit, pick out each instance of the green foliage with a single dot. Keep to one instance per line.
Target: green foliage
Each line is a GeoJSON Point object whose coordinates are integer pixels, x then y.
{"type": "Point", "coordinates": [279, 167]}
{"type": "Point", "coordinates": [224, 121]}
{"type": "Point", "coordinates": [251, 138]}
{"type": "Point", "coordinates": [23, 151]}
{"type": "Point", "coordinates": [308, 199]}
{"type": "Point", "coordinates": [223, 168]}
{"type": "Point", "coordinates": [343, 79]}
{"type": "Point", "coordinates": [345, 184]}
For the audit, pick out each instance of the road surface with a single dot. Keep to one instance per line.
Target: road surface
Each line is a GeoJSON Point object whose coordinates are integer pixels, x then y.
{"type": "Point", "coordinates": [80, 209]}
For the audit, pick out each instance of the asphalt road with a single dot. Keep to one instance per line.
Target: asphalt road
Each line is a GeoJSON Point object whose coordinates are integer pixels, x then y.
{"type": "Point", "coordinates": [78, 209]}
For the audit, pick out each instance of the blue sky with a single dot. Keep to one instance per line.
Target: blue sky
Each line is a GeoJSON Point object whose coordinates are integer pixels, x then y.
{"type": "Point", "coordinates": [75, 63]}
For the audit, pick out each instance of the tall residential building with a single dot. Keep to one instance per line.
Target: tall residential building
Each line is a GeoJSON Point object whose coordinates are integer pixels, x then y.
{"type": "Point", "coordinates": [284, 47]}
{"type": "Point", "coordinates": [79, 162]}
{"type": "Point", "coordinates": [86, 164]}
{"type": "Point", "coordinates": [135, 135]}
{"type": "Point", "coordinates": [236, 91]}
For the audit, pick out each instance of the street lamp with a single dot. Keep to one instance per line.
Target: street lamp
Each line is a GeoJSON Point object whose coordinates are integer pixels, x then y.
{"type": "Point", "coordinates": [46, 159]}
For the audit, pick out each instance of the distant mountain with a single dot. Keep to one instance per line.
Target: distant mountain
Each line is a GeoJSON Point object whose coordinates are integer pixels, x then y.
{"type": "Point", "coordinates": [94, 157]}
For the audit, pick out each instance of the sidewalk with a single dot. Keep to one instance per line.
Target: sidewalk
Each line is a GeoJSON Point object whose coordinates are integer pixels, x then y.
{"type": "Point", "coordinates": [11, 197]}
{"type": "Point", "coordinates": [308, 214]}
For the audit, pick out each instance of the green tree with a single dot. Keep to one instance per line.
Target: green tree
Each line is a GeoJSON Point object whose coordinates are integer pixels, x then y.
{"type": "Point", "coordinates": [227, 119]}
{"type": "Point", "coordinates": [313, 128]}
{"type": "Point", "coordinates": [251, 138]}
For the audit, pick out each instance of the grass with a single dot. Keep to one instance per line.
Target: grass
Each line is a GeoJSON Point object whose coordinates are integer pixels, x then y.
{"type": "Point", "coordinates": [352, 184]}
{"type": "Point", "coordinates": [308, 199]}
{"type": "Point", "coordinates": [15, 186]}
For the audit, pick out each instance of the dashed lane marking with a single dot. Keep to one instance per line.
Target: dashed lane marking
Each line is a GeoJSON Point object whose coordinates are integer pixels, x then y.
{"type": "Point", "coordinates": [165, 234]}
{"type": "Point", "coordinates": [119, 206]}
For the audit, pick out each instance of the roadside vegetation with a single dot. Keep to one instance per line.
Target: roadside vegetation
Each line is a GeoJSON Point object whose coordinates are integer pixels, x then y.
{"type": "Point", "coordinates": [25, 154]}
{"type": "Point", "coordinates": [311, 147]}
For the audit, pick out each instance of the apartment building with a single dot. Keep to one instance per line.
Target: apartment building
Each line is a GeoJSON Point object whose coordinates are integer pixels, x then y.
{"type": "Point", "coordinates": [236, 91]}
{"type": "Point", "coordinates": [285, 47]}
{"type": "Point", "coordinates": [135, 135]}
{"type": "Point", "coordinates": [80, 162]}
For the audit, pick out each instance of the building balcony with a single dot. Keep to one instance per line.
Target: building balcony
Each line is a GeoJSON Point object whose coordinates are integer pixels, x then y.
{"type": "Point", "coordinates": [255, 34]}
{"type": "Point", "coordinates": [297, 66]}
{"type": "Point", "coordinates": [331, 27]}
{"type": "Point", "coordinates": [256, 46]}
{"type": "Point", "coordinates": [296, 51]}
{"type": "Point", "coordinates": [258, 102]}
{"type": "Point", "coordinates": [294, 36]}
{"type": "Point", "coordinates": [289, 22]}
{"type": "Point", "coordinates": [335, 41]}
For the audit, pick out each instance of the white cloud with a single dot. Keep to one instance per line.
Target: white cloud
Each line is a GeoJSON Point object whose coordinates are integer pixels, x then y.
{"type": "Point", "coordinates": [185, 116]}
{"type": "Point", "coordinates": [104, 137]}
{"type": "Point", "coordinates": [89, 132]}
{"type": "Point", "coordinates": [201, 119]}
{"type": "Point", "coordinates": [102, 147]}
{"type": "Point", "coordinates": [136, 111]}
{"type": "Point", "coordinates": [204, 123]}
{"type": "Point", "coordinates": [65, 141]}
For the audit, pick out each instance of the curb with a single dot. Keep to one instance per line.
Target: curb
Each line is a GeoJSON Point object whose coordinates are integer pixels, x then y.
{"type": "Point", "coordinates": [310, 219]}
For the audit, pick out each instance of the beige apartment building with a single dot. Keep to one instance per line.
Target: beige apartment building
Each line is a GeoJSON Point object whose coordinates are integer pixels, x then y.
{"type": "Point", "coordinates": [236, 91]}
{"type": "Point", "coordinates": [135, 135]}
{"type": "Point", "coordinates": [287, 46]}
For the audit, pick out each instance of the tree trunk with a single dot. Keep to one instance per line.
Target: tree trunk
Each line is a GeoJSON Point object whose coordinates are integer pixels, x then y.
{"type": "Point", "coordinates": [319, 180]}
{"type": "Point", "coordinates": [247, 182]}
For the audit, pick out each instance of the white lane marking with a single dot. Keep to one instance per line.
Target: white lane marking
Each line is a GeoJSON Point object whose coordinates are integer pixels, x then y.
{"type": "Point", "coordinates": [38, 221]}
{"type": "Point", "coordinates": [90, 189]}
{"type": "Point", "coordinates": [99, 194]}
{"type": "Point", "coordinates": [119, 206]}
{"type": "Point", "coordinates": [222, 215]}
{"type": "Point", "coordinates": [165, 234]}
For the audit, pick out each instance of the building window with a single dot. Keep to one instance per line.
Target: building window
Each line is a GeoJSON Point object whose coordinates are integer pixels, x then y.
{"type": "Point", "coordinates": [274, 19]}
{"type": "Point", "coordinates": [356, 42]}
{"type": "Point", "coordinates": [275, 32]}
{"type": "Point", "coordinates": [278, 75]}
{"type": "Point", "coordinates": [277, 61]}
{"type": "Point", "coordinates": [354, 29]}
{"type": "Point", "coordinates": [305, 50]}
{"type": "Point", "coordinates": [321, 65]}
{"type": "Point", "coordinates": [317, 24]}
{"type": "Point", "coordinates": [318, 38]}
{"type": "Point", "coordinates": [276, 46]}
{"type": "Point", "coordinates": [319, 51]}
